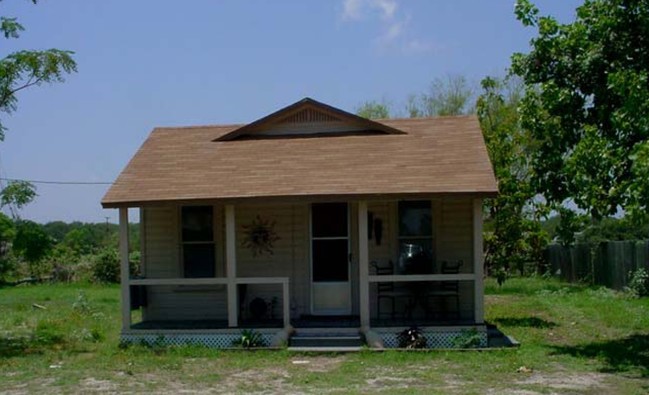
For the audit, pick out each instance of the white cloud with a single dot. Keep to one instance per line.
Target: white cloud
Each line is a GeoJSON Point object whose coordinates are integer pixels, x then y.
{"type": "Point", "coordinates": [394, 33]}
{"type": "Point", "coordinates": [387, 7]}
{"type": "Point", "coordinates": [358, 9]}
{"type": "Point", "coordinates": [352, 9]}
{"type": "Point", "coordinates": [417, 46]}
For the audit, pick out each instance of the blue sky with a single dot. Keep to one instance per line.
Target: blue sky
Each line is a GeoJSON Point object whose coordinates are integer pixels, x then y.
{"type": "Point", "coordinates": [162, 63]}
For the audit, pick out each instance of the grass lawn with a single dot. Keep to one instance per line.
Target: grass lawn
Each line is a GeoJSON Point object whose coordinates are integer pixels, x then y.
{"type": "Point", "coordinates": [574, 340]}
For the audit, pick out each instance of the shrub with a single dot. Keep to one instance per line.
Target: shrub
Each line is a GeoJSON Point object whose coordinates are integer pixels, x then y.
{"type": "Point", "coordinates": [639, 282]}
{"type": "Point", "coordinates": [467, 339]}
{"type": "Point", "coordinates": [105, 268]}
{"type": "Point", "coordinates": [249, 339]}
{"type": "Point", "coordinates": [48, 333]}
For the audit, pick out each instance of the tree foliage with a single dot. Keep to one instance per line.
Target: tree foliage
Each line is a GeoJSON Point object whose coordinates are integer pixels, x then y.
{"type": "Point", "coordinates": [26, 68]}
{"type": "Point", "coordinates": [373, 110]}
{"type": "Point", "coordinates": [16, 195]}
{"type": "Point", "coordinates": [515, 237]}
{"type": "Point", "coordinates": [31, 242]}
{"type": "Point", "coordinates": [20, 70]}
{"type": "Point", "coordinates": [452, 95]}
{"type": "Point", "coordinates": [587, 105]}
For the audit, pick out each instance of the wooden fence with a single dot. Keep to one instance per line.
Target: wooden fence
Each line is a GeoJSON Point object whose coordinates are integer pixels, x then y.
{"type": "Point", "coordinates": [606, 263]}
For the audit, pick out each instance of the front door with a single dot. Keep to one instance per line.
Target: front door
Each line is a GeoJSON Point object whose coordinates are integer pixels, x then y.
{"type": "Point", "coordinates": [330, 286]}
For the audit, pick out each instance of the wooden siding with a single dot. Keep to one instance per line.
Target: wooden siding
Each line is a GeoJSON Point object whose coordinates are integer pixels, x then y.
{"type": "Point", "coordinates": [163, 257]}
{"type": "Point", "coordinates": [290, 256]}
{"type": "Point", "coordinates": [386, 251]}
{"type": "Point", "coordinates": [161, 246]}
{"type": "Point", "coordinates": [453, 239]}
{"type": "Point", "coordinates": [455, 232]}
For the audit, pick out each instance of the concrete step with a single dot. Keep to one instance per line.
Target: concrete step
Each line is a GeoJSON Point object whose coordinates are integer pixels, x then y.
{"type": "Point", "coordinates": [326, 340]}
{"type": "Point", "coordinates": [324, 349]}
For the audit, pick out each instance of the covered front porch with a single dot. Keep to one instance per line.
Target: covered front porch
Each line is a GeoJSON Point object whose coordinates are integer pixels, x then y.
{"type": "Point", "coordinates": [301, 282]}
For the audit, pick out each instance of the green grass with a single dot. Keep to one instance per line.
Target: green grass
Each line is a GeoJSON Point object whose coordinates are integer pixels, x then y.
{"type": "Point", "coordinates": [574, 339]}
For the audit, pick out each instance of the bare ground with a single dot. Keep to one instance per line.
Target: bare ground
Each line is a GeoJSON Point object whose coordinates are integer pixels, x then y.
{"type": "Point", "coordinates": [293, 378]}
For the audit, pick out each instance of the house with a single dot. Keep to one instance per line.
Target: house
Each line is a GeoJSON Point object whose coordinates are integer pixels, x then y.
{"type": "Point", "coordinates": [310, 220]}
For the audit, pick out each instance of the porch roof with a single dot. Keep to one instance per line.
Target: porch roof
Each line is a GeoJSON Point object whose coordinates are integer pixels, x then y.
{"type": "Point", "coordinates": [442, 155]}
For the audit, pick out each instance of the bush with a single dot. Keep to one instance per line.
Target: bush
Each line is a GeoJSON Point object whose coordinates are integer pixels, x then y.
{"type": "Point", "coordinates": [249, 339]}
{"type": "Point", "coordinates": [105, 268]}
{"type": "Point", "coordinates": [639, 282]}
{"type": "Point", "coordinates": [467, 339]}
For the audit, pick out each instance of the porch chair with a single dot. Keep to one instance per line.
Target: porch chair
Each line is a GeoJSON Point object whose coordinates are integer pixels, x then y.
{"type": "Point", "coordinates": [446, 290]}
{"type": "Point", "coordinates": [386, 291]}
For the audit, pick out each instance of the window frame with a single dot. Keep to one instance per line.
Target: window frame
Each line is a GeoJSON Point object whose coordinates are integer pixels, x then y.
{"type": "Point", "coordinates": [429, 237]}
{"type": "Point", "coordinates": [183, 243]}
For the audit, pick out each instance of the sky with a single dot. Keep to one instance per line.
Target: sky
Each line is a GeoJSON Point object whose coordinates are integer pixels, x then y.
{"type": "Point", "coordinates": [148, 63]}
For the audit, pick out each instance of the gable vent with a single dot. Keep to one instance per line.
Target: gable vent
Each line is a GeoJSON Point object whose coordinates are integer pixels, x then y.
{"type": "Point", "coordinates": [309, 115]}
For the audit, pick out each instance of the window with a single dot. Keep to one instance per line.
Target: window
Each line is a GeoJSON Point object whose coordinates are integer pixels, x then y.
{"type": "Point", "coordinates": [330, 243]}
{"type": "Point", "coordinates": [415, 237]}
{"type": "Point", "coordinates": [198, 241]}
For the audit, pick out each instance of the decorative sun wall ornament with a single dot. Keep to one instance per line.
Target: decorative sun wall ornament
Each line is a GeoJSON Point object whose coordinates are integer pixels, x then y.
{"type": "Point", "coordinates": [259, 236]}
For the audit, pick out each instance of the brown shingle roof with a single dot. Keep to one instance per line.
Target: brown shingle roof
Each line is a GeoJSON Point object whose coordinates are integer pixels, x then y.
{"type": "Point", "coordinates": [444, 155]}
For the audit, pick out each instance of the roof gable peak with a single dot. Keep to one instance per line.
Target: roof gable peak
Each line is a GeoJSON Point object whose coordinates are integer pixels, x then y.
{"type": "Point", "coordinates": [308, 117]}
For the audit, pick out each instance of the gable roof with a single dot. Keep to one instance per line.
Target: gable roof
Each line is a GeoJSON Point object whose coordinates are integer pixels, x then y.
{"type": "Point", "coordinates": [308, 111]}
{"type": "Point", "coordinates": [430, 156]}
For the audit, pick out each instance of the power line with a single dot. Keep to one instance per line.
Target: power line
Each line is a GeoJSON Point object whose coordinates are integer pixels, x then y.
{"type": "Point", "coordinates": [58, 182]}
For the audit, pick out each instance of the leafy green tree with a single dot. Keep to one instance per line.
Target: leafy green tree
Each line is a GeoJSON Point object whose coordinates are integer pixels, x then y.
{"type": "Point", "coordinates": [80, 241]}
{"type": "Point", "coordinates": [31, 243]}
{"type": "Point", "coordinates": [21, 70]}
{"type": "Point", "coordinates": [515, 237]}
{"type": "Point", "coordinates": [587, 106]}
{"type": "Point", "coordinates": [373, 110]}
{"type": "Point", "coordinates": [7, 233]}
{"type": "Point", "coordinates": [452, 95]}
{"type": "Point", "coordinates": [16, 195]}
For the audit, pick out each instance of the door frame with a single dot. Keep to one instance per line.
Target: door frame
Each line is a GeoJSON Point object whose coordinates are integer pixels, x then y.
{"type": "Point", "coordinates": [347, 310]}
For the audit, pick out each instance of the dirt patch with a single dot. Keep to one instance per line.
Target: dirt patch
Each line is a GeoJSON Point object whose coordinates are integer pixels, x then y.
{"type": "Point", "coordinates": [92, 384]}
{"type": "Point", "coordinates": [564, 381]}
{"type": "Point", "coordinates": [319, 364]}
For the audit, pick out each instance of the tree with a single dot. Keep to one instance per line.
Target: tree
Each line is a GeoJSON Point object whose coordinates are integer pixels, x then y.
{"type": "Point", "coordinates": [23, 69]}
{"type": "Point", "coordinates": [31, 243]}
{"type": "Point", "coordinates": [16, 195]}
{"type": "Point", "coordinates": [515, 237]}
{"type": "Point", "coordinates": [587, 106]}
{"type": "Point", "coordinates": [20, 70]}
{"type": "Point", "coordinates": [7, 233]}
{"type": "Point", "coordinates": [373, 110]}
{"type": "Point", "coordinates": [446, 96]}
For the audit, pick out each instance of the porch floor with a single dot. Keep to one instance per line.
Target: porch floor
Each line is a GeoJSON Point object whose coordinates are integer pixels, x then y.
{"type": "Point", "coordinates": [302, 322]}
{"type": "Point", "coordinates": [203, 324]}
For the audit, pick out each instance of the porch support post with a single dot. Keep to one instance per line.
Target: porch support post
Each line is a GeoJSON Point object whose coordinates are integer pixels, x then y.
{"type": "Point", "coordinates": [363, 265]}
{"type": "Point", "coordinates": [231, 265]}
{"type": "Point", "coordinates": [124, 268]}
{"type": "Point", "coordinates": [478, 268]}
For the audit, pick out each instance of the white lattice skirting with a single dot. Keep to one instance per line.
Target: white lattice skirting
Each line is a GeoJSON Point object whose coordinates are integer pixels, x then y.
{"type": "Point", "coordinates": [214, 340]}
{"type": "Point", "coordinates": [435, 339]}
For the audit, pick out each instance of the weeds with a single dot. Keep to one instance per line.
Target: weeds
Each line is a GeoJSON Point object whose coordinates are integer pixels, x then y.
{"type": "Point", "coordinates": [249, 339]}
{"type": "Point", "coordinates": [639, 282]}
{"type": "Point", "coordinates": [469, 338]}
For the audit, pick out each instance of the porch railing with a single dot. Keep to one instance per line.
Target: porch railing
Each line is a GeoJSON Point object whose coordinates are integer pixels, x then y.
{"type": "Point", "coordinates": [283, 281]}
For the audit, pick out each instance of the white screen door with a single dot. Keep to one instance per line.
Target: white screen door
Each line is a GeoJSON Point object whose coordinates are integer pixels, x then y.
{"type": "Point", "coordinates": [330, 286]}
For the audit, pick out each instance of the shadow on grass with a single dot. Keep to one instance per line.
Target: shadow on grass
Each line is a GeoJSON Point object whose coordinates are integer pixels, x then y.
{"type": "Point", "coordinates": [17, 346]}
{"type": "Point", "coordinates": [517, 287]}
{"type": "Point", "coordinates": [42, 338]}
{"type": "Point", "coordinates": [527, 322]}
{"type": "Point", "coordinates": [629, 354]}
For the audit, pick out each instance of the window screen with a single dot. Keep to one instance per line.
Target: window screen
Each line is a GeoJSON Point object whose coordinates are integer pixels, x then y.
{"type": "Point", "coordinates": [198, 241]}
